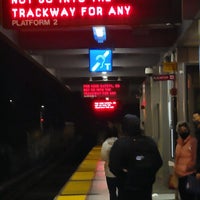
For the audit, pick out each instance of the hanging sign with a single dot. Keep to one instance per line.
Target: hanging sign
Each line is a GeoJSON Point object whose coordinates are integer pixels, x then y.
{"type": "Point", "coordinates": [164, 77]}
{"type": "Point", "coordinates": [170, 66]}
{"type": "Point", "coordinates": [104, 105]}
{"type": "Point", "coordinates": [57, 13]}
{"type": "Point", "coordinates": [29, 14]}
{"type": "Point", "coordinates": [101, 89]}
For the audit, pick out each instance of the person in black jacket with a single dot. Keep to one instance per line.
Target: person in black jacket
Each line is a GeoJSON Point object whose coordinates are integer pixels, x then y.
{"type": "Point", "coordinates": [134, 160]}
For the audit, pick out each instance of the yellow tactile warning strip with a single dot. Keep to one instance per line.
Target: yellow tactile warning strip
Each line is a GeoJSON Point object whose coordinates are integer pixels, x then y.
{"type": "Point", "coordinates": [79, 184]}
{"type": "Point", "coordinates": [94, 154]}
{"type": "Point", "coordinates": [82, 176]}
{"type": "Point", "coordinates": [87, 165]}
{"type": "Point", "coordinates": [76, 187]}
{"type": "Point", "coordinates": [72, 197]}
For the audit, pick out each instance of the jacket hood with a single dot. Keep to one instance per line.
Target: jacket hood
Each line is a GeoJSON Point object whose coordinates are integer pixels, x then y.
{"type": "Point", "coordinates": [131, 125]}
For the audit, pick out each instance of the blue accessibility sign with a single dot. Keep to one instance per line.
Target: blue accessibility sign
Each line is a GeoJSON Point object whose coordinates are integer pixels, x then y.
{"type": "Point", "coordinates": [100, 60]}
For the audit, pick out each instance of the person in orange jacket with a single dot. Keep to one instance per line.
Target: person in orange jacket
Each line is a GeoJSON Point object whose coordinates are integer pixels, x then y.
{"type": "Point", "coordinates": [185, 159]}
{"type": "Point", "coordinates": [196, 121]}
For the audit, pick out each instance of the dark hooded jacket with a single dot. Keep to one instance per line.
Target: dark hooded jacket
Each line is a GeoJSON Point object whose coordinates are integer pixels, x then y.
{"type": "Point", "coordinates": [134, 158]}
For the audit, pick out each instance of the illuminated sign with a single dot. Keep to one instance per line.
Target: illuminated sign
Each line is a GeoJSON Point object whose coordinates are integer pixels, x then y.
{"type": "Point", "coordinates": [20, 14]}
{"type": "Point", "coordinates": [100, 60]}
{"type": "Point", "coordinates": [104, 105]}
{"type": "Point", "coordinates": [170, 66]}
{"type": "Point", "coordinates": [56, 13]}
{"type": "Point", "coordinates": [101, 90]}
{"type": "Point", "coordinates": [164, 77]}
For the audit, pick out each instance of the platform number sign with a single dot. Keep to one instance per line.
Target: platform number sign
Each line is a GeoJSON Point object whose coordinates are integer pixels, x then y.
{"type": "Point", "coordinates": [100, 60]}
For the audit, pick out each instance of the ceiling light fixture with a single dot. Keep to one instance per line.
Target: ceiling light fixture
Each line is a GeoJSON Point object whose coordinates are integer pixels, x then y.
{"type": "Point", "coordinates": [99, 33]}
{"type": "Point", "coordinates": [105, 78]}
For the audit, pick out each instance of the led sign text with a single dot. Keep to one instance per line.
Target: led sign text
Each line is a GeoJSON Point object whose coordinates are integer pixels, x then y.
{"type": "Point", "coordinates": [164, 77]}
{"type": "Point", "coordinates": [101, 105]}
{"type": "Point", "coordinates": [25, 13]}
{"type": "Point", "coordinates": [101, 90]}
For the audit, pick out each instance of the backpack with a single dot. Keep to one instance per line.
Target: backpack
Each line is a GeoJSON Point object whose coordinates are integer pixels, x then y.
{"type": "Point", "coordinates": [144, 161]}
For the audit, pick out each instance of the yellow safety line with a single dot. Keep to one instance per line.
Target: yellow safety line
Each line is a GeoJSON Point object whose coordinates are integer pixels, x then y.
{"type": "Point", "coordinates": [80, 182]}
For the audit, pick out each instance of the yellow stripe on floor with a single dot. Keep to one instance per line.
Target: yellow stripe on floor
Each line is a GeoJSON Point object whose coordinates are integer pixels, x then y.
{"type": "Point", "coordinates": [72, 197]}
{"type": "Point", "coordinates": [76, 188]}
{"type": "Point", "coordinates": [79, 184]}
{"type": "Point", "coordinates": [82, 176]}
{"type": "Point", "coordinates": [87, 165]}
{"type": "Point", "coordinates": [94, 154]}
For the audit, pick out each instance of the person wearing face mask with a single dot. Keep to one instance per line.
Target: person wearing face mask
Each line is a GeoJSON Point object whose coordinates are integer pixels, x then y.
{"type": "Point", "coordinates": [196, 122]}
{"type": "Point", "coordinates": [185, 158]}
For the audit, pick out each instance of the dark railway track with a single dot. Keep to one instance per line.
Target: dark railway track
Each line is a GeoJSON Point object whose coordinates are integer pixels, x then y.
{"type": "Point", "coordinates": [48, 185]}
{"type": "Point", "coordinates": [44, 182]}
{"type": "Point", "coordinates": [41, 183]}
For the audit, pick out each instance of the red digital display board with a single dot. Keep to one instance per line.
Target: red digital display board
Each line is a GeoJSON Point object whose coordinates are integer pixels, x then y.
{"type": "Point", "coordinates": [58, 13]}
{"type": "Point", "coordinates": [104, 105]}
{"type": "Point", "coordinates": [23, 14]}
{"type": "Point", "coordinates": [101, 90]}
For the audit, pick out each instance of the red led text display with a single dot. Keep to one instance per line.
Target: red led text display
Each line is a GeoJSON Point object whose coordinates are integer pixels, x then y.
{"type": "Point", "coordinates": [103, 105]}
{"type": "Point", "coordinates": [101, 90]}
{"type": "Point", "coordinates": [20, 14]}
{"type": "Point", "coordinates": [164, 77]}
{"type": "Point", "coordinates": [56, 13]}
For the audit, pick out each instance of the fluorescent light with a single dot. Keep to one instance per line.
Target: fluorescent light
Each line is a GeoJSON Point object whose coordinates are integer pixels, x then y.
{"type": "Point", "coordinates": [99, 33]}
{"type": "Point", "coordinates": [105, 78]}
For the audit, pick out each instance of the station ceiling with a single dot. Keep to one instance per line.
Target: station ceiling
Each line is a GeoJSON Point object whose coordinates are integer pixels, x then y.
{"type": "Point", "coordinates": [64, 52]}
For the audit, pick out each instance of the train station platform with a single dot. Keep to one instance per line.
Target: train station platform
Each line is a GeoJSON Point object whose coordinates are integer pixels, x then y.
{"type": "Point", "coordinates": [88, 182]}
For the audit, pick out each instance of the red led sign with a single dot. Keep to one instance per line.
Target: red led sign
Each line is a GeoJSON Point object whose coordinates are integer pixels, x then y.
{"type": "Point", "coordinates": [164, 77]}
{"type": "Point", "coordinates": [21, 14]}
{"type": "Point", "coordinates": [56, 13]}
{"type": "Point", "coordinates": [101, 89]}
{"type": "Point", "coordinates": [103, 105]}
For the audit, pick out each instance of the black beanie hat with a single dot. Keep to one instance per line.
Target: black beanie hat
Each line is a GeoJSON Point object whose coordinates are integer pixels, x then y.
{"type": "Point", "coordinates": [131, 125]}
